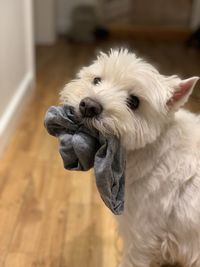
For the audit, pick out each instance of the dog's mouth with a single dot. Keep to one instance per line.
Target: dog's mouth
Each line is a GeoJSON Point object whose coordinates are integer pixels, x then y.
{"type": "Point", "coordinates": [93, 123]}
{"type": "Point", "coordinates": [102, 122]}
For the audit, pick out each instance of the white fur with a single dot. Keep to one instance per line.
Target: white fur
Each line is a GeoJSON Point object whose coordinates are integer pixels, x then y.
{"type": "Point", "coordinates": [161, 221]}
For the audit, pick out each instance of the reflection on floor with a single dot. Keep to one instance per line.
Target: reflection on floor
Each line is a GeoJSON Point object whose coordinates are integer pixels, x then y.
{"type": "Point", "coordinates": [51, 217]}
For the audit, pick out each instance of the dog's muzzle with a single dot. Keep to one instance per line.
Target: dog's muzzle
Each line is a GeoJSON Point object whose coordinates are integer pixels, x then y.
{"type": "Point", "coordinates": [90, 108]}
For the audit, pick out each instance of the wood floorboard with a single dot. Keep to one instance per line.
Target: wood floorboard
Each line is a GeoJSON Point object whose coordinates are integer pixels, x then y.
{"type": "Point", "coordinates": [50, 217]}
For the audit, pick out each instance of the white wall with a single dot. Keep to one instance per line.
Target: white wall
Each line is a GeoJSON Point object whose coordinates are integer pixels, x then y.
{"type": "Point", "coordinates": [16, 58]}
{"type": "Point", "coordinates": [63, 12]}
{"type": "Point", "coordinates": [45, 21]}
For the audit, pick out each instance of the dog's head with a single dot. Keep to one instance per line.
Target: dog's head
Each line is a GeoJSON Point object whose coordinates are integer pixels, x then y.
{"type": "Point", "coordinates": [123, 95]}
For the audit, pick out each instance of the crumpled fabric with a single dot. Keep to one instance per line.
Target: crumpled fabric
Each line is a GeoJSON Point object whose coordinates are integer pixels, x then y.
{"type": "Point", "coordinates": [82, 149]}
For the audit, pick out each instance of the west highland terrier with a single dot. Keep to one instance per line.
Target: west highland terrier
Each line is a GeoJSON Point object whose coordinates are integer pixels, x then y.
{"type": "Point", "coordinates": [121, 94]}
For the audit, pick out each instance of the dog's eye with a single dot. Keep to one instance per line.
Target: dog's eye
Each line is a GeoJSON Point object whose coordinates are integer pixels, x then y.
{"type": "Point", "coordinates": [133, 102]}
{"type": "Point", "coordinates": [96, 80]}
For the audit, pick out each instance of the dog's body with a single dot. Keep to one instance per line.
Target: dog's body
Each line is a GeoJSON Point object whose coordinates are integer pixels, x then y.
{"type": "Point", "coordinates": [161, 223]}
{"type": "Point", "coordinates": [130, 99]}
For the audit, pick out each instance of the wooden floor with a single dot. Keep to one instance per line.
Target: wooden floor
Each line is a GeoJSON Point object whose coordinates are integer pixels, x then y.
{"type": "Point", "coordinates": [50, 217]}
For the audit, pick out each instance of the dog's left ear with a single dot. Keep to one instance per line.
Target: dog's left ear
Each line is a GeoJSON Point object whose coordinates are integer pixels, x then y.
{"type": "Point", "coordinates": [182, 92]}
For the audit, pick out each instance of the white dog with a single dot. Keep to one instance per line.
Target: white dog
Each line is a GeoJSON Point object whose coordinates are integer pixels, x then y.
{"type": "Point", "coordinates": [123, 95]}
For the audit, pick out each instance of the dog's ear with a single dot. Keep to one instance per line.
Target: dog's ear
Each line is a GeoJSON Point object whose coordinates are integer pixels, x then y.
{"type": "Point", "coordinates": [182, 92]}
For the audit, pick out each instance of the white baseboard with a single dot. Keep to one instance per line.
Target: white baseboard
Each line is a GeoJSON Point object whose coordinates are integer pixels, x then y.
{"type": "Point", "coordinates": [9, 119]}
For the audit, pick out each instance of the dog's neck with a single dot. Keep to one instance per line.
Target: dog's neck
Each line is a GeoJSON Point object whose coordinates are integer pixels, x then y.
{"type": "Point", "coordinates": [141, 161]}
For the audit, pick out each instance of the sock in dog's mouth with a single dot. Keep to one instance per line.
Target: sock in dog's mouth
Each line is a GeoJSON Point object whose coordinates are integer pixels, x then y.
{"type": "Point", "coordinates": [82, 148]}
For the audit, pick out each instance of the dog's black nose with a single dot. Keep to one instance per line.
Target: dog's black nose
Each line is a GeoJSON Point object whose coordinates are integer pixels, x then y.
{"type": "Point", "coordinates": [90, 107]}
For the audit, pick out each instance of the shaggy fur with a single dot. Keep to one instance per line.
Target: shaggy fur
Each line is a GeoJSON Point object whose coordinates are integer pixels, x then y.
{"type": "Point", "coordinates": [161, 222]}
